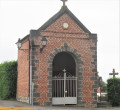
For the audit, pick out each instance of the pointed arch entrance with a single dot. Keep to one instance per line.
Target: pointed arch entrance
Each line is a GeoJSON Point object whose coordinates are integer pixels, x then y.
{"type": "Point", "coordinates": [64, 80]}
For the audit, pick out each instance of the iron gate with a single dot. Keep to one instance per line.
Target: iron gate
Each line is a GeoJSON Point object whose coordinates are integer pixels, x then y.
{"type": "Point", "coordinates": [64, 89]}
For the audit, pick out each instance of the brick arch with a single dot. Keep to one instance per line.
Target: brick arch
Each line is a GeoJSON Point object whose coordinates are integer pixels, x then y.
{"type": "Point", "coordinates": [79, 69]}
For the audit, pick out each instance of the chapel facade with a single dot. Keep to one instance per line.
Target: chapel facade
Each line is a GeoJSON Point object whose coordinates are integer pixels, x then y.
{"type": "Point", "coordinates": [57, 63]}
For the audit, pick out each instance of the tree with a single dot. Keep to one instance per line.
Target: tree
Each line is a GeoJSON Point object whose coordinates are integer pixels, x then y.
{"type": "Point", "coordinates": [113, 89]}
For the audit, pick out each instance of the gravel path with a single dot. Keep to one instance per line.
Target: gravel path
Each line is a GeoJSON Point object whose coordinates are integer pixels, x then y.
{"type": "Point", "coordinates": [16, 104]}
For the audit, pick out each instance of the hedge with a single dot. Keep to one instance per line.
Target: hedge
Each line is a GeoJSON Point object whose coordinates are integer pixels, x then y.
{"type": "Point", "coordinates": [8, 80]}
{"type": "Point", "coordinates": [113, 89]}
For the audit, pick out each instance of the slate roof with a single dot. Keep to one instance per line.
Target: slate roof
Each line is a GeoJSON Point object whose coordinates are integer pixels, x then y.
{"type": "Point", "coordinates": [57, 16]}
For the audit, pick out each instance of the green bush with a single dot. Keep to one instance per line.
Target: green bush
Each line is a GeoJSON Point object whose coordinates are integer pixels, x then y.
{"type": "Point", "coordinates": [113, 89]}
{"type": "Point", "coordinates": [8, 80]}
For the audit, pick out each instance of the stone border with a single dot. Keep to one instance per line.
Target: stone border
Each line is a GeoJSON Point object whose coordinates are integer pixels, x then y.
{"type": "Point", "coordinates": [79, 70]}
{"type": "Point", "coordinates": [23, 99]}
{"type": "Point", "coordinates": [94, 78]}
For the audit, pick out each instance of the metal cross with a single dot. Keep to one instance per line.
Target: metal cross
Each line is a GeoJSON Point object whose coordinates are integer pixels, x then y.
{"type": "Point", "coordinates": [64, 70]}
{"type": "Point", "coordinates": [113, 73]}
{"type": "Point", "coordinates": [64, 2]}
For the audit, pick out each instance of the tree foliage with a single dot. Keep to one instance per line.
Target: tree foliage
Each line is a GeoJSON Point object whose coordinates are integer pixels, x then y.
{"type": "Point", "coordinates": [113, 89]}
{"type": "Point", "coordinates": [8, 80]}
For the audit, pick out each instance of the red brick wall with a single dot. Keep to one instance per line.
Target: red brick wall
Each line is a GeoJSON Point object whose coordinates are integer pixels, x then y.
{"type": "Point", "coordinates": [56, 29]}
{"type": "Point", "coordinates": [77, 39]}
{"type": "Point", "coordinates": [23, 72]}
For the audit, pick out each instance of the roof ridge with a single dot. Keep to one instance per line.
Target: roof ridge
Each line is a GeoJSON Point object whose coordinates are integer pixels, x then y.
{"type": "Point", "coordinates": [60, 13]}
{"type": "Point", "coordinates": [53, 18]}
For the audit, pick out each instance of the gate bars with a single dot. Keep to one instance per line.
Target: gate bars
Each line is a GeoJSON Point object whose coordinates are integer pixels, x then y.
{"type": "Point", "coordinates": [64, 85]}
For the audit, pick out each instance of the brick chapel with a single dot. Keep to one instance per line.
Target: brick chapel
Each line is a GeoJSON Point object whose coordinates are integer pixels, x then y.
{"type": "Point", "coordinates": [57, 63]}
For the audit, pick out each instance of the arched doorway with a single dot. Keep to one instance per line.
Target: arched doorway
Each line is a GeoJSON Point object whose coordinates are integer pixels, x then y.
{"type": "Point", "coordinates": [64, 81]}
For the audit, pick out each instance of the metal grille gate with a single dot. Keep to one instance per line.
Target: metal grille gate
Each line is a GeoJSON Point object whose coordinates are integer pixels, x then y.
{"type": "Point", "coordinates": [64, 89]}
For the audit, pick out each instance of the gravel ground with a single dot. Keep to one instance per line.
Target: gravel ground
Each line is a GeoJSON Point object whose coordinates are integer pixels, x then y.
{"type": "Point", "coordinates": [17, 104]}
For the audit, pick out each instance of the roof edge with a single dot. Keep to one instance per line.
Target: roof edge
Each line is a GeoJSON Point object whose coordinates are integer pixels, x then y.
{"type": "Point", "coordinates": [62, 11]}
{"type": "Point", "coordinates": [56, 16]}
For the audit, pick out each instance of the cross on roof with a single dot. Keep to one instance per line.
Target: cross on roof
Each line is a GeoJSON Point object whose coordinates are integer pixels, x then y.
{"type": "Point", "coordinates": [113, 73]}
{"type": "Point", "coordinates": [64, 2]}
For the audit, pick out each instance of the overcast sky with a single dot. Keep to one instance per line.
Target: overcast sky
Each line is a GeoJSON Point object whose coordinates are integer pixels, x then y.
{"type": "Point", "coordinates": [18, 17]}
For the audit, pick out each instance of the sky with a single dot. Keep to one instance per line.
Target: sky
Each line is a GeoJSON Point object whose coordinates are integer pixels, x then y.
{"type": "Point", "coordinates": [18, 17]}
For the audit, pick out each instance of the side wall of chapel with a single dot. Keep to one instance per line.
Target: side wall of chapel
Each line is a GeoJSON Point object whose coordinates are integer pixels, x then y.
{"type": "Point", "coordinates": [23, 73]}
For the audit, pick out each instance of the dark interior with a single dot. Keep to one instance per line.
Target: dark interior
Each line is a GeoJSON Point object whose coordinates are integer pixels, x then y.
{"type": "Point", "coordinates": [63, 61]}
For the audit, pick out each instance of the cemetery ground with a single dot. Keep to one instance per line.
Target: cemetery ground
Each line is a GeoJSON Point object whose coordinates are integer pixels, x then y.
{"type": "Point", "coordinates": [15, 105]}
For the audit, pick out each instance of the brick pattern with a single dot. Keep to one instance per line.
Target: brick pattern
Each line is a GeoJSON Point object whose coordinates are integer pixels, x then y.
{"type": "Point", "coordinates": [77, 57]}
{"type": "Point", "coordinates": [56, 29]}
{"type": "Point", "coordinates": [79, 44]}
{"type": "Point", "coordinates": [82, 49]}
{"type": "Point", "coordinates": [23, 73]}
{"type": "Point", "coordinates": [57, 26]}
{"type": "Point", "coordinates": [72, 40]}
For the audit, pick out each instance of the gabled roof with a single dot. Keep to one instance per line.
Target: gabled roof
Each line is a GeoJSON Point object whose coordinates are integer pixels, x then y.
{"type": "Point", "coordinates": [57, 16]}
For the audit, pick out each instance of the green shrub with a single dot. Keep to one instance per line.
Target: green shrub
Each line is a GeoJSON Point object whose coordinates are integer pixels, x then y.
{"type": "Point", "coordinates": [113, 89]}
{"type": "Point", "coordinates": [8, 80]}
